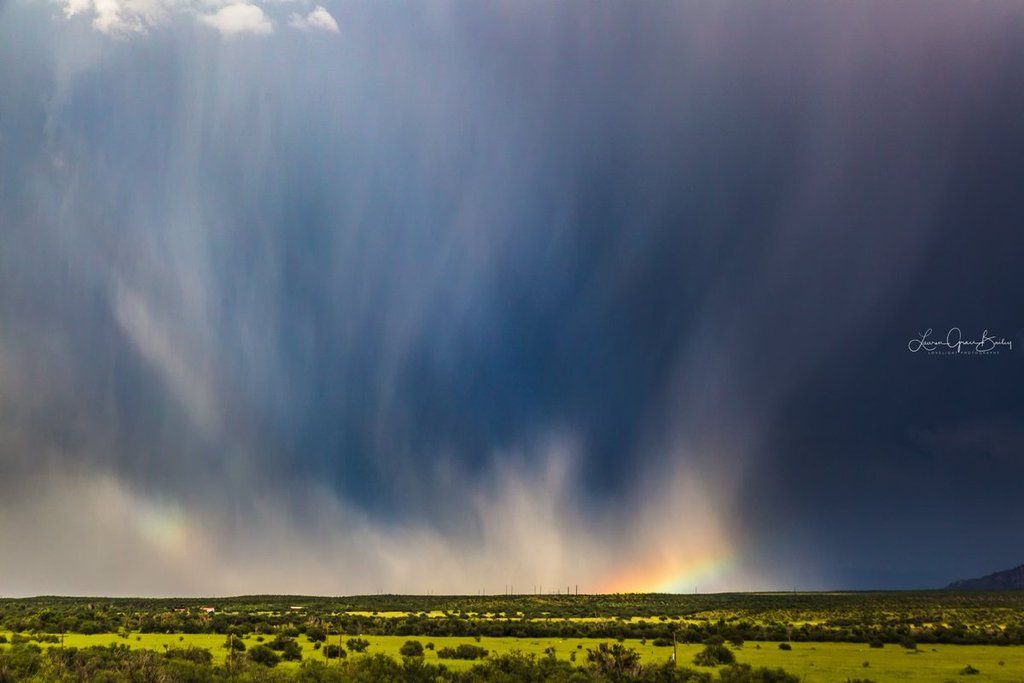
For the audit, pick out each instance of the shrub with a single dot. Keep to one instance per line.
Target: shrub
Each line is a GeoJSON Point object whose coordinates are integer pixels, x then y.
{"type": "Point", "coordinates": [785, 646]}
{"type": "Point", "coordinates": [21, 661]}
{"type": "Point", "coordinates": [615, 660]}
{"type": "Point", "coordinates": [334, 652]}
{"type": "Point", "coordinates": [662, 642]}
{"type": "Point", "coordinates": [197, 655]}
{"type": "Point", "coordinates": [292, 651]}
{"type": "Point", "coordinates": [969, 671]}
{"type": "Point", "coordinates": [877, 644]}
{"type": "Point", "coordinates": [261, 654]}
{"type": "Point", "coordinates": [744, 673]}
{"type": "Point", "coordinates": [463, 651]}
{"type": "Point", "coordinates": [714, 655]}
{"type": "Point", "coordinates": [277, 643]}
{"type": "Point", "coordinates": [411, 648]}
{"type": "Point", "coordinates": [358, 644]}
{"type": "Point", "coordinates": [234, 643]}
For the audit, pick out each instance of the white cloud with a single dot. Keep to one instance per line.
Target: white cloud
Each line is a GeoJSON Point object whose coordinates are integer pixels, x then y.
{"type": "Point", "coordinates": [317, 20]}
{"type": "Point", "coordinates": [119, 16]}
{"type": "Point", "coordinates": [239, 18]}
{"type": "Point", "coordinates": [524, 525]}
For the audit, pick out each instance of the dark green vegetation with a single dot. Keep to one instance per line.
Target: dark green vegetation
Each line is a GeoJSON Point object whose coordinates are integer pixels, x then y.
{"type": "Point", "coordinates": [117, 663]}
{"type": "Point", "coordinates": [731, 637]}
{"type": "Point", "coordinates": [897, 618]}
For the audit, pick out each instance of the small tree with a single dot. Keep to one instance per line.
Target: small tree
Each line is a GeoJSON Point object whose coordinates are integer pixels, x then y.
{"type": "Point", "coordinates": [714, 655]}
{"type": "Point", "coordinates": [334, 651]}
{"type": "Point", "coordinates": [261, 654]}
{"type": "Point", "coordinates": [292, 651]}
{"type": "Point", "coordinates": [234, 644]}
{"type": "Point", "coordinates": [411, 648]}
{"type": "Point", "coordinates": [615, 660]}
{"type": "Point", "coordinates": [744, 673]}
{"type": "Point", "coordinates": [358, 644]}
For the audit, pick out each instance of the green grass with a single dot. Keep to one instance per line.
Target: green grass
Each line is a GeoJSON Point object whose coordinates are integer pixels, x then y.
{"type": "Point", "coordinates": [814, 662]}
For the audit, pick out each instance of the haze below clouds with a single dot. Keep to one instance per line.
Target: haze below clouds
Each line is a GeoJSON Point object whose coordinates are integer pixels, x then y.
{"type": "Point", "coordinates": [412, 297]}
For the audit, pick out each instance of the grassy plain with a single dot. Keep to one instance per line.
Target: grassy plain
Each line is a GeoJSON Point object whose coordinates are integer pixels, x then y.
{"type": "Point", "coordinates": [813, 662]}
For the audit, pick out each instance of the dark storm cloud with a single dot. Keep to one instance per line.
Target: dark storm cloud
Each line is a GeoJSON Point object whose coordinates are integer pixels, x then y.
{"type": "Point", "coordinates": [455, 265]}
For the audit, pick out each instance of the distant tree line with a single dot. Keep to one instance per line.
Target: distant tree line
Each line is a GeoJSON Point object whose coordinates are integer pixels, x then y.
{"type": "Point", "coordinates": [927, 617]}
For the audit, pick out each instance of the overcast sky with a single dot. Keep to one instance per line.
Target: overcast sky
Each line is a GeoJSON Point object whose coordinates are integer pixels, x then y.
{"type": "Point", "coordinates": [447, 296]}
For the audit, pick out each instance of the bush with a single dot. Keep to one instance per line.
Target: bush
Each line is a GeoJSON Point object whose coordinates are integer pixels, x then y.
{"type": "Point", "coordinates": [662, 642]}
{"type": "Point", "coordinates": [714, 655]}
{"type": "Point", "coordinates": [785, 646]}
{"type": "Point", "coordinates": [463, 651]}
{"type": "Point", "coordinates": [615, 660]}
{"type": "Point", "coordinates": [21, 661]}
{"type": "Point", "coordinates": [411, 648]}
{"type": "Point", "coordinates": [334, 652]}
{"type": "Point", "coordinates": [969, 671]}
{"type": "Point", "coordinates": [358, 644]}
{"type": "Point", "coordinates": [234, 643]}
{"type": "Point", "coordinates": [744, 673]}
{"type": "Point", "coordinates": [292, 651]}
{"type": "Point", "coordinates": [261, 654]}
{"type": "Point", "coordinates": [877, 644]}
{"type": "Point", "coordinates": [196, 655]}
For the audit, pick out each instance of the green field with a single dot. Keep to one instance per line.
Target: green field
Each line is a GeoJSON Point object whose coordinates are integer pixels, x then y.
{"type": "Point", "coordinates": [832, 637]}
{"type": "Point", "coordinates": [824, 662]}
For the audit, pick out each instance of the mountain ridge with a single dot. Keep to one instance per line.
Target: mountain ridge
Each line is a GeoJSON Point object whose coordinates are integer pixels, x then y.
{"type": "Point", "coordinates": [1008, 579]}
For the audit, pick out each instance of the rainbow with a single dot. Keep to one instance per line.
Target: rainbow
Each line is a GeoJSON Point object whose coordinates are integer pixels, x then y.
{"type": "Point", "coordinates": [671, 574]}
